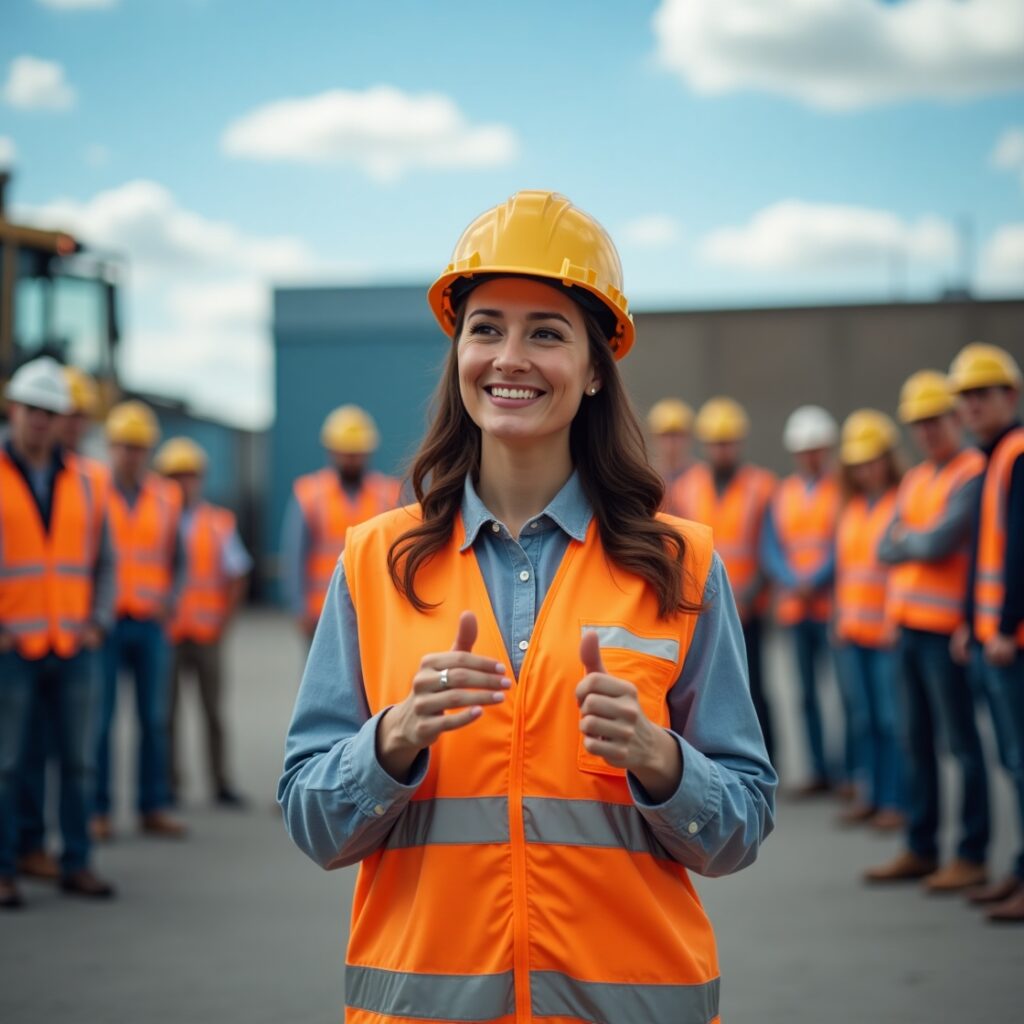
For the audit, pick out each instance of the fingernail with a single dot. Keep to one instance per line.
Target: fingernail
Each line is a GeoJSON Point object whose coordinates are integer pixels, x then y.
{"type": "Point", "coordinates": [506, 683]}
{"type": "Point", "coordinates": [498, 667]}
{"type": "Point", "coordinates": [497, 697]}
{"type": "Point", "coordinates": [476, 712]}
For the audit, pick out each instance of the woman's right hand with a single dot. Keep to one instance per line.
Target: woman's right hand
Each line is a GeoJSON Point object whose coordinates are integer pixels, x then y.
{"type": "Point", "coordinates": [432, 709]}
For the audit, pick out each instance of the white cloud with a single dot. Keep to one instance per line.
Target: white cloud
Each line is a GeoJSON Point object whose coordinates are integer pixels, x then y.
{"type": "Point", "coordinates": [382, 130]}
{"type": "Point", "coordinates": [36, 84]}
{"type": "Point", "coordinates": [79, 5]}
{"type": "Point", "coordinates": [654, 231]}
{"type": "Point", "coordinates": [1008, 154]}
{"type": "Point", "coordinates": [797, 236]}
{"type": "Point", "coordinates": [843, 54]}
{"type": "Point", "coordinates": [8, 152]}
{"type": "Point", "coordinates": [1002, 260]}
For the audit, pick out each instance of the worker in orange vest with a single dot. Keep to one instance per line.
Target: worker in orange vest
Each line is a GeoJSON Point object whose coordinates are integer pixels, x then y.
{"type": "Point", "coordinates": [215, 585]}
{"type": "Point", "coordinates": [325, 504]}
{"type": "Point", "coordinates": [670, 425]}
{"type": "Point", "coordinates": [145, 513]}
{"type": "Point", "coordinates": [54, 608]}
{"type": "Point", "coordinates": [34, 859]}
{"type": "Point", "coordinates": [865, 634]}
{"type": "Point", "coordinates": [988, 382]}
{"type": "Point", "coordinates": [798, 556]}
{"type": "Point", "coordinates": [731, 497]}
{"type": "Point", "coordinates": [509, 676]}
{"type": "Point", "coordinates": [927, 547]}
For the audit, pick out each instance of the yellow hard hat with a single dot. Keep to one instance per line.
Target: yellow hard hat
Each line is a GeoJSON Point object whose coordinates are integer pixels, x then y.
{"type": "Point", "coordinates": [670, 416]}
{"type": "Point", "coordinates": [133, 423]}
{"type": "Point", "coordinates": [540, 234]}
{"type": "Point", "coordinates": [350, 430]}
{"type": "Point", "coordinates": [867, 434]}
{"type": "Point", "coordinates": [722, 419]}
{"type": "Point", "coordinates": [180, 455]}
{"type": "Point", "coordinates": [924, 395]}
{"type": "Point", "coordinates": [983, 366]}
{"type": "Point", "coordinates": [85, 396]}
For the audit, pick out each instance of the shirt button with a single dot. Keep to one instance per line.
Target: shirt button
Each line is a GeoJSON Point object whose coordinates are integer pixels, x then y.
{"type": "Point", "coordinates": [524, 575]}
{"type": "Point", "coordinates": [523, 644]}
{"type": "Point", "coordinates": [692, 828]}
{"type": "Point", "coordinates": [379, 810]}
{"type": "Point", "coordinates": [496, 527]}
{"type": "Point", "coordinates": [534, 525]}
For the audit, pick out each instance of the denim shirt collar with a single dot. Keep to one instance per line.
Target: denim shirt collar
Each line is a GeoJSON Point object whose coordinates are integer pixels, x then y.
{"type": "Point", "coordinates": [568, 509]}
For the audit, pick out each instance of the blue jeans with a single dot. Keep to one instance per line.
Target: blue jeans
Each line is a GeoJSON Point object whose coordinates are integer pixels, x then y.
{"type": "Point", "coordinates": [869, 677]}
{"type": "Point", "coordinates": [938, 713]}
{"type": "Point", "coordinates": [1004, 688]}
{"type": "Point", "coordinates": [66, 689]}
{"type": "Point", "coordinates": [141, 647]}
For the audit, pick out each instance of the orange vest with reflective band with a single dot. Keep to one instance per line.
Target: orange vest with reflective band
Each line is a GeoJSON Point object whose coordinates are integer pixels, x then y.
{"type": "Point", "coordinates": [930, 595]}
{"type": "Point", "coordinates": [989, 581]}
{"type": "Point", "coordinates": [521, 882]}
{"type": "Point", "coordinates": [861, 579]}
{"type": "Point", "coordinates": [46, 576]}
{"type": "Point", "coordinates": [805, 522]}
{"type": "Point", "coordinates": [144, 537]}
{"type": "Point", "coordinates": [735, 517]}
{"type": "Point", "coordinates": [203, 606]}
{"type": "Point", "coordinates": [329, 512]}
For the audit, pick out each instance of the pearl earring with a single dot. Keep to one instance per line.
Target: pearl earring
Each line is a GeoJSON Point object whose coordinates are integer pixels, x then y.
{"type": "Point", "coordinates": [593, 391]}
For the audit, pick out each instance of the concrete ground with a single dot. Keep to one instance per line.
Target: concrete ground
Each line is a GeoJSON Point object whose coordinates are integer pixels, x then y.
{"type": "Point", "coordinates": [235, 925]}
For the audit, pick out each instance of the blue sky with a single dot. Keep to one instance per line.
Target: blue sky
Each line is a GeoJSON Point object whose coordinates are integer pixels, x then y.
{"type": "Point", "coordinates": [739, 151]}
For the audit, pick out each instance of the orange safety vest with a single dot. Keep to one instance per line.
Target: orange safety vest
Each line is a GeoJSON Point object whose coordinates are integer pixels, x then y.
{"type": "Point", "coordinates": [989, 581]}
{"type": "Point", "coordinates": [930, 595]}
{"type": "Point", "coordinates": [144, 537]}
{"type": "Point", "coordinates": [521, 882]}
{"type": "Point", "coordinates": [805, 522]}
{"type": "Point", "coordinates": [203, 607]}
{"type": "Point", "coordinates": [46, 576]}
{"type": "Point", "coordinates": [861, 579]}
{"type": "Point", "coordinates": [329, 512]}
{"type": "Point", "coordinates": [735, 517]}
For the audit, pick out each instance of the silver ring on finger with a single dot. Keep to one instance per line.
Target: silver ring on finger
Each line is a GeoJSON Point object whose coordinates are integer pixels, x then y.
{"type": "Point", "coordinates": [442, 681]}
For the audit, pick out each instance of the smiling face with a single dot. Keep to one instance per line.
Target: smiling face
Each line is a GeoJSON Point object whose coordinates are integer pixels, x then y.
{"type": "Point", "coordinates": [524, 361]}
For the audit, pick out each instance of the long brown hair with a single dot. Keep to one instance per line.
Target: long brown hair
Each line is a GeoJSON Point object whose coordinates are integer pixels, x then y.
{"type": "Point", "coordinates": [606, 443]}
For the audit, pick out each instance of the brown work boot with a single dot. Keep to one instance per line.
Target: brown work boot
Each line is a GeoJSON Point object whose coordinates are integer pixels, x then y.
{"type": "Point", "coordinates": [956, 876]}
{"type": "Point", "coordinates": [816, 787]}
{"type": "Point", "coordinates": [997, 892]}
{"type": "Point", "coordinates": [39, 864]}
{"type": "Point", "coordinates": [1010, 911]}
{"type": "Point", "coordinates": [858, 813]}
{"type": "Point", "coordinates": [10, 895]}
{"type": "Point", "coordinates": [888, 820]}
{"type": "Point", "coordinates": [160, 823]}
{"type": "Point", "coordinates": [87, 883]}
{"type": "Point", "coordinates": [906, 867]}
{"type": "Point", "coordinates": [102, 828]}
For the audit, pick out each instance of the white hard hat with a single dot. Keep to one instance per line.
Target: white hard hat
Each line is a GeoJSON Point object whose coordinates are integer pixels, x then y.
{"type": "Point", "coordinates": [41, 383]}
{"type": "Point", "coordinates": [808, 428]}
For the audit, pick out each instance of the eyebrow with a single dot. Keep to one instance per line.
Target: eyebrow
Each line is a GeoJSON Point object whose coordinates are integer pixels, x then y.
{"type": "Point", "coordinates": [499, 315]}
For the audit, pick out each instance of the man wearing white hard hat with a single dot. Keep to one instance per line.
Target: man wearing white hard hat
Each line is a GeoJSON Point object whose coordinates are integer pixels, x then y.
{"type": "Point", "coordinates": [50, 617]}
{"type": "Point", "coordinates": [798, 552]}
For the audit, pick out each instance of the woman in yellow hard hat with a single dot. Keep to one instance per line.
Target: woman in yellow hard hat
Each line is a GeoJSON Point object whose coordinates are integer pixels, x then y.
{"type": "Point", "coordinates": [509, 675]}
{"type": "Point", "coordinates": [864, 634]}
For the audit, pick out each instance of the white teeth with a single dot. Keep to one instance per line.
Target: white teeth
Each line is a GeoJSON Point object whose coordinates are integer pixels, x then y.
{"type": "Point", "coordinates": [522, 393]}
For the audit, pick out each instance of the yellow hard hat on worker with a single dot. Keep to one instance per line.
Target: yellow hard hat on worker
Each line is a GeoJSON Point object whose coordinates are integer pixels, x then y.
{"type": "Point", "coordinates": [350, 430]}
{"type": "Point", "coordinates": [867, 435]}
{"type": "Point", "coordinates": [722, 420]}
{"type": "Point", "coordinates": [925, 394]}
{"type": "Point", "coordinates": [180, 455]}
{"type": "Point", "coordinates": [670, 416]}
{"type": "Point", "coordinates": [85, 396]}
{"type": "Point", "coordinates": [540, 234]}
{"type": "Point", "coordinates": [983, 366]}
{"type": "Point", "coordinates": [133, 423]}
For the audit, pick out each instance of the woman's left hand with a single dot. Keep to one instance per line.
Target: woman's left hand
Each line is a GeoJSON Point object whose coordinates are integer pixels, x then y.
{"type": "Point", "coordinates": [615, 727]}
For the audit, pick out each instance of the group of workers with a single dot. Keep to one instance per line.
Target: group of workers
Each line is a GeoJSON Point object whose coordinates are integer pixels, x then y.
{"type": "Point", "coordinates": [913, 582]}
{"type": "Point", "coordinates": [104, 566]}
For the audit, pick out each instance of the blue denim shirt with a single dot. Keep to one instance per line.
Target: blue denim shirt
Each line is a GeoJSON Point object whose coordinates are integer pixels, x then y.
{"type": "Point", "coordinates": [339, 802]}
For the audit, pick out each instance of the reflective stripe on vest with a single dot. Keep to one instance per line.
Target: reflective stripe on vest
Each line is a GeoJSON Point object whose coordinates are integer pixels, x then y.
{"type": "Point", "coordinates": [46, 574]}
{"type": "Point", "coordinates": [144, 536]}
{"type": "Point", "coordinates": [329, 513]}
{"type": "Point", "coordinates": [203, 605]}
{"type": "Point", "coordinates": [989, 585]}
{"type": "Point", "coordinates": [489, 874]}
{"type": "Point", "coordinates": [805, 523]}
{"type": "Point", "coordinates": [861, 579]}
{"type": "Point", "coordinates": [930, 595]}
